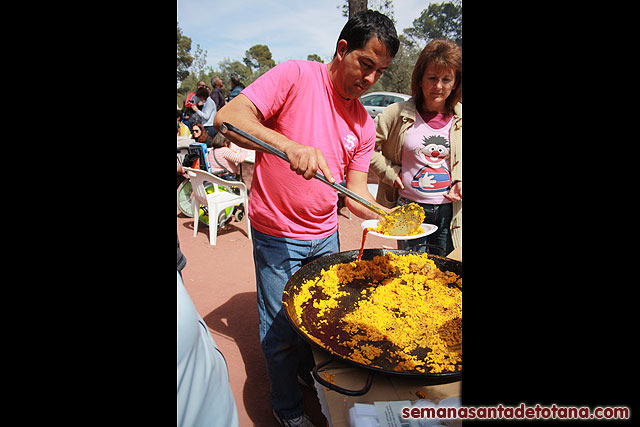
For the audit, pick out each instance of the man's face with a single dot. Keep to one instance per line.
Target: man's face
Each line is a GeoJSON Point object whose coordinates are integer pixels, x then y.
{"type": "Point", "coordinates": [359, 69]}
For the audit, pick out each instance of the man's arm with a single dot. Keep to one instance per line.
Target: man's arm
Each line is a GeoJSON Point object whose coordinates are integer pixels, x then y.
{"type": "Point", "coordinates": [243, 114]}
{"type": "Point", "coordinates": [357, 182]}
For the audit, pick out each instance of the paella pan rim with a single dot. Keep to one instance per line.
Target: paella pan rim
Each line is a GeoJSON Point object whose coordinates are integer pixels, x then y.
{"type": "Point", "coordinates": [348, 256]}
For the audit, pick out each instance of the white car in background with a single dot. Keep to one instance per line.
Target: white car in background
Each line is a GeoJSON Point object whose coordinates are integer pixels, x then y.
{"type": "Point", "coordinates": [375, 102]}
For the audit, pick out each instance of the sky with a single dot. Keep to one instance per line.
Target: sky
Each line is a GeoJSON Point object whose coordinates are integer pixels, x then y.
{"type": "Point", "coordinates": [292, 29]}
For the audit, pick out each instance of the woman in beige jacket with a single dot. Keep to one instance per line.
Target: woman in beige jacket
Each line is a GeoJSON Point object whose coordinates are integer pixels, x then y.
{"type": "Point", "coordinates": [426, 166]}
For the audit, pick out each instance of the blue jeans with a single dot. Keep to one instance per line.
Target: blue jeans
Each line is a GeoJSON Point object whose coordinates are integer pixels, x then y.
{"type": "Point", "coordinates": [439, 215]}
{"type": "Point", "coordinates": [276, 259]}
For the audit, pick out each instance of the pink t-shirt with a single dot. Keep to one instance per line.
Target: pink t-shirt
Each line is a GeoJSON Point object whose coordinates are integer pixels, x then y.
{"type": "Point", "coordinates": [426, 172]}
{"type": "Point", "coordinates": [298, 100]}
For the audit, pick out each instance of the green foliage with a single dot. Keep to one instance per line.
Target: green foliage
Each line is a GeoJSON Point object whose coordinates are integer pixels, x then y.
{"type": "Point", "coordinates": [442, 20]}
{"type": "Point", "coordinates": [258, 57]}
{"type": "Point", "coordinates": [257, 61]}
{"type": "Point", "coordinates": [184, 58]}
{"type": "Point", "coordinates": [383, 6]}
{"type": "Point", "coordinates": [437, 20]}
{"type": "Point", "coordinates": [199, 62]}
{"type": "Point", "coordinates": [397, 78]}
{"type": "Point", "coordinates": [314, 57]}
{"type": "Point", "coordinates": [235, 68]}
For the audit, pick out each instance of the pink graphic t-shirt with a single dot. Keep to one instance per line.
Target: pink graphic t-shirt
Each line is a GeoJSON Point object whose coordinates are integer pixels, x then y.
{"type": "Point", "coordinates": [426, 174]}
{"type": "Point", "coordinates": [298, 100]}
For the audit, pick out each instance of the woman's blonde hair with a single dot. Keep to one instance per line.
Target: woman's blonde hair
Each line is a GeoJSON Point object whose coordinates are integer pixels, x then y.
{"type": "Point", "coordinates": [445, 55]}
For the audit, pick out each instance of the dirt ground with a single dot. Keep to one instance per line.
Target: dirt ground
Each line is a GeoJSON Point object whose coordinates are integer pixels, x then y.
{"type": "Point", "coordinates": [221, 282]}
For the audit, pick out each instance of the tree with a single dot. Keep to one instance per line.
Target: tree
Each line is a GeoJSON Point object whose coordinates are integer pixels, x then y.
{"type": "Point", "coordinates": [314, 57]}
{"type": "Point", "coordinates": [235, 68]}
{"type": "Point", "coordinates": [184, 58]}
{"type": "Point", "coordinates": [258, 57]}
{"type": "Point", "coordinates": [383, 6]}
{"type": "Point", "coordinates": [397, 77]}
{"type": "Point", "coordinates": [199, 62]}
{"type": "Point", "coordinates": [187, 86]}
{"type": "Point", "coordinates": [438, 21]}
{"type": "Point", "coordinates": [356, 6]}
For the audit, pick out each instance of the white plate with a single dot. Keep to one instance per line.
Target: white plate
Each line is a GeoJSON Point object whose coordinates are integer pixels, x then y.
{"type": "Point", "coordinates": [373, 223]}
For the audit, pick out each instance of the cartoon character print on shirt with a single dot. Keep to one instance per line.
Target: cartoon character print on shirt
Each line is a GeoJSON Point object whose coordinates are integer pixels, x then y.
{"type": "Point", "coordinates": [435, 177]}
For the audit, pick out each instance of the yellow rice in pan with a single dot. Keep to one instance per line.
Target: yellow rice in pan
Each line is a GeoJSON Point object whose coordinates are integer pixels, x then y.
{"type": "Point", "coordinates": [409, 305]}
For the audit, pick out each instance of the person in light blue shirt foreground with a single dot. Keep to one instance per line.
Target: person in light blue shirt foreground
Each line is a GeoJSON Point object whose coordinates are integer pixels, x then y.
{"type": "Point", "coordinates": [204, 394]}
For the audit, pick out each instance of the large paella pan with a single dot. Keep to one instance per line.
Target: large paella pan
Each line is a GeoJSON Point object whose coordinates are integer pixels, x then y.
{"type": "Point", "coordinates": [341, 318]}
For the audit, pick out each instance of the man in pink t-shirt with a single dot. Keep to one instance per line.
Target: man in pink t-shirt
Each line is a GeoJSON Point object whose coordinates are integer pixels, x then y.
{"type": "Point", "coordinates": [314, 114]}
{"type": "Point", "coordinates": [311, 112]}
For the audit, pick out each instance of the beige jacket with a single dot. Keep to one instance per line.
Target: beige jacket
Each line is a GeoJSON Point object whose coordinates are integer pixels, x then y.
{"type": "Point", "coordinates": [386, 160]}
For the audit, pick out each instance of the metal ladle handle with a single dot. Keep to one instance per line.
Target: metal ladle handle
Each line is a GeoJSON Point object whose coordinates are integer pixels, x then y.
{"type": "Point", "coordinates": [228, 126]}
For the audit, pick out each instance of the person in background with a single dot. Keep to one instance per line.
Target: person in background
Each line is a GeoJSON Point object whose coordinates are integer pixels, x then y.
{"type": "Point", "coordinates": [236, 88]}
{"type": "Point", "coordinates": [418, 155]}
{"type": "Point", "coordinates": [208, 111]}
{"type": "Point", "coordinates": [199, 134]}
{"type": "Point", "coordinates": [188, 102]}
{"type": "Point", "coordinates": [295, 216]}
{"type": "Point", "coordinates": [183, 130]}
{"type": "Point", "coordinates": [225, 158]}
{"type": "Point", "coordinates": [204, 394]}
{"type": "Point", "coordinates": [216, 92]}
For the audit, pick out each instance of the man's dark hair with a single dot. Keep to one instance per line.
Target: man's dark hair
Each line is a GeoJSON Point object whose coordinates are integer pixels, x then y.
{"type": "Point", "coordinates": [366, 24]}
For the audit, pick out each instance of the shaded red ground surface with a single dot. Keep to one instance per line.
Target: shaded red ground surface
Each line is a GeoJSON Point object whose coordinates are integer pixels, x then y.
{"type": "Point", "coordinates": [221, 282]}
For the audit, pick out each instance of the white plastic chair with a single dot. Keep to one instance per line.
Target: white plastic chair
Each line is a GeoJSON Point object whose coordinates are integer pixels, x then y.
{"type": "Point", "coordinates": [217, 201]}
